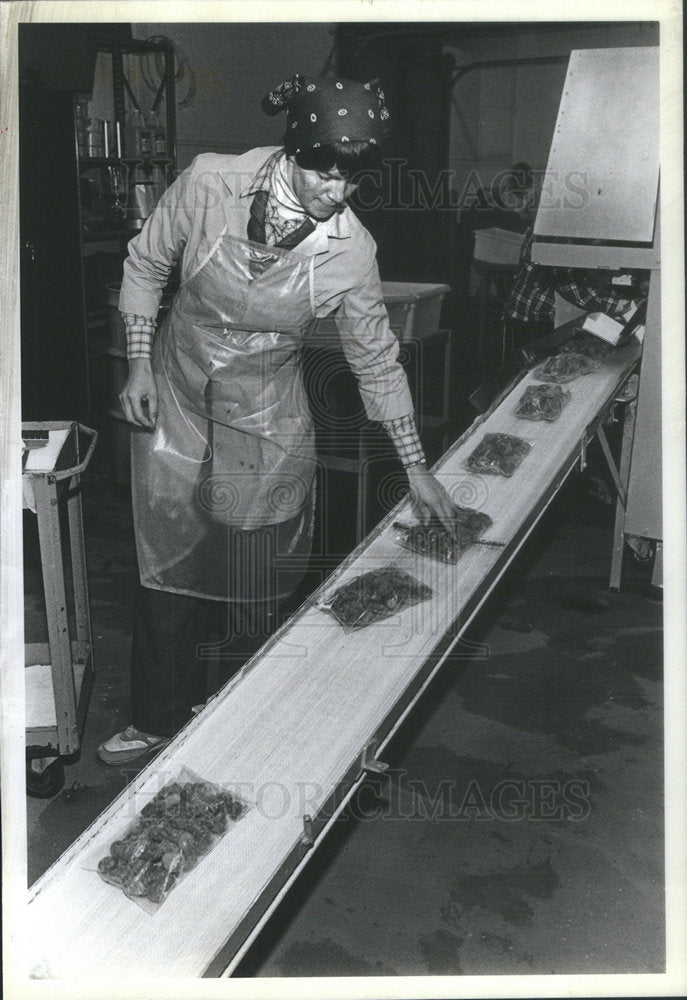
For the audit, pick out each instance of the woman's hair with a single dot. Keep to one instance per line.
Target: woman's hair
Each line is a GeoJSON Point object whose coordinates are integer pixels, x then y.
{"type": "Point", "coordinates": [349, 158]}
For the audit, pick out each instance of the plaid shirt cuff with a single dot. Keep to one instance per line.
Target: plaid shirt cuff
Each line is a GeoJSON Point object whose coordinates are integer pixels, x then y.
{"type": "Point", "coordinates": [403, 433]}
{"type": "Point", "coordinates": [140, 331]}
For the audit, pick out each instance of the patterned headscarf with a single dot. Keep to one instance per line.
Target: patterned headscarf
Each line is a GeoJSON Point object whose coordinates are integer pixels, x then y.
{"type": "Point", "coordinates": [321, 110]}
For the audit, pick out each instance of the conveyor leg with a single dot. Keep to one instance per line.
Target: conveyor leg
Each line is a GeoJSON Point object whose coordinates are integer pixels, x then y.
{"type": "Point", "coordinates": [615, 475]}
{"type": "Point", "coordinates": [624, 476]}
{"type": "Point", "coordinates": [369, 761]}
{"type": "Point", "coordinates": [657, 574]}
{"type": "Point", "coordinates": [308, 835]}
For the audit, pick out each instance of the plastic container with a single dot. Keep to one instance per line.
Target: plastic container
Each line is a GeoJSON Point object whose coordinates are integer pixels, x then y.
{"type": "Point", "coordinates": [414, 309]}
{"type": "Point", "coordinates": [95, 137]}
{"type": "Point", "coordinates": [143, 197]}
{"type": "Point", "coordinates": [497, 246]}
{"type": "Point", "coordinates": [137, 137]}
{"type": "Point", "coordinates": [157, 134]}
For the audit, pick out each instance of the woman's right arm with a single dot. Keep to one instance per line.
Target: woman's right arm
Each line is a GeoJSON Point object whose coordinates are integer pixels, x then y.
{"type": "Point", "coordinates": [152, 255]}
{"type": "Point", "coordinates": [157, 248]}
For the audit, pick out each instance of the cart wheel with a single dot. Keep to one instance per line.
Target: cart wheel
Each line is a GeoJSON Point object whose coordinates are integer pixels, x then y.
{"type": "Point", "coordinates": [44, 784]}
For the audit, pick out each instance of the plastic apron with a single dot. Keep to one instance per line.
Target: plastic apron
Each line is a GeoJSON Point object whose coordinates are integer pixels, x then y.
{"type": "Point", "coordinates": [223, 487]}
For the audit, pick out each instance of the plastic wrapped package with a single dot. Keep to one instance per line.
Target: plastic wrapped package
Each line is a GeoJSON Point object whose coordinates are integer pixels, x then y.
{"type": "Point", "coordinates": [498, 454]}
{"type": "Point", "coordinates": [588, 346]}
{"type": "Point", "coordinates": [565, 367]}
{"type": "Point", "coordinates": [435, 542]}
{"type": "Point", "coordinates": [168, 838]}
{"type": "Point", "coordinates": [374, 596]}
{"type": "Point", "coordinates": [542, 402]}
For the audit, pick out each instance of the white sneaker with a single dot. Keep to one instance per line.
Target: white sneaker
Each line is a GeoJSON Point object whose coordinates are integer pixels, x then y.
{"type": "Point", "coordinates": [129, 745]}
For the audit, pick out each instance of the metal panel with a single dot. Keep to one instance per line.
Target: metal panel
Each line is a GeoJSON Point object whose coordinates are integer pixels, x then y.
{"type": "Point", "coordinates": [612, 258]}
{"type": "Point", "coordinates": [602, 174]}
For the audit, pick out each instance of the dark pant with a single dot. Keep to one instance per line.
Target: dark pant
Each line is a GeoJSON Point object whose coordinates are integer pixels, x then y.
{"type": "Point", "coordinates": [176, 639]}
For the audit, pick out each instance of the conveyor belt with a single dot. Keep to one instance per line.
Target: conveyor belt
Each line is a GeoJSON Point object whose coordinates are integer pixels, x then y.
{"type": "Point", "coordinates": [296, 730]}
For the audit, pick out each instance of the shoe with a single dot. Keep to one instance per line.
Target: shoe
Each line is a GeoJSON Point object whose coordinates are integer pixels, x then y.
{"type": "Point", "coordinates": [130, 745]}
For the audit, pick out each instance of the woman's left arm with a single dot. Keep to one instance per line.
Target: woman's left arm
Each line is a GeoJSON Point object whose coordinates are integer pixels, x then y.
{"type": "Point", "coordinates": [372, 350]}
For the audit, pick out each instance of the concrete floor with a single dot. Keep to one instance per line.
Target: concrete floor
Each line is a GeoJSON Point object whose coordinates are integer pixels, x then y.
{"type": "Point", "coordinates": [521, 827]}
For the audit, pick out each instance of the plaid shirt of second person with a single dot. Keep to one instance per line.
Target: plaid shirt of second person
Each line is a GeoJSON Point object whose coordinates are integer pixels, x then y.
{"type": "Point", "coordinates": [532, 294]}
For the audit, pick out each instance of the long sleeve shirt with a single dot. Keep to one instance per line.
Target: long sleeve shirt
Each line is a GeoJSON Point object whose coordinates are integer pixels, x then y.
{"type": "Point", "coordinates": [214, 195]}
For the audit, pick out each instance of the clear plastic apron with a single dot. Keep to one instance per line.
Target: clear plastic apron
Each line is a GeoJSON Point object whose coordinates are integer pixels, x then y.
{"type": "Point", "coordinates": [223, 487]}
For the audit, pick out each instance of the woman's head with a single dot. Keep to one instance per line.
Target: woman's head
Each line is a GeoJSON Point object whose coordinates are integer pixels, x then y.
{"type": "Point", "coordinates": [329, 115]}
{"type": "Point", "coordinates": [324, 177]}
{"type": "Point", "coordinates": [322, 193]}
{"type": "Point", "coordinates": [334, 133]}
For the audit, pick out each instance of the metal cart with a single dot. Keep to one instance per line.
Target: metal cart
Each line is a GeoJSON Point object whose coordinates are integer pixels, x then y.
{"type": "Point", "coordinates": [59, 673]}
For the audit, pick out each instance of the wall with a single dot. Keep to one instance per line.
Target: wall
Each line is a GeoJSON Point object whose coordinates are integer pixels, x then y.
{"type": "Point", "coordinates": [504, 114]}
{"type": "Point", "coordinates": [234, 65]}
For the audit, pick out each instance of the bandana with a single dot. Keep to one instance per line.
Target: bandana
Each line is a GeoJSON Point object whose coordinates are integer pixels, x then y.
{"type": "Point", "coordinates": [320, 110]}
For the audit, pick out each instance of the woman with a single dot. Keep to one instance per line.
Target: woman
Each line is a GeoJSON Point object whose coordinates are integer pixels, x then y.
{"type": "Point", "coordinates": [223, 456]}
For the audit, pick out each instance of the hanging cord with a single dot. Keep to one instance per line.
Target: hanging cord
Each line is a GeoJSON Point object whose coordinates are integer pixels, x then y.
{"type": "Point", "coordinates": [153, 70]}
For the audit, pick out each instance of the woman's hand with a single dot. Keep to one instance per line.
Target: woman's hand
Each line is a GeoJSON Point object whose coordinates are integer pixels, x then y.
{"type": "Point", "coordinates": [429, 498]}
{"type": "Point", "coordinates": [139, 395]}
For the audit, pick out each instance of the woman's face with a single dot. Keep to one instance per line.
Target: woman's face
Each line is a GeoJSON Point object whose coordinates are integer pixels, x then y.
{"type": "Point", "coordinates": [321, 193]}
